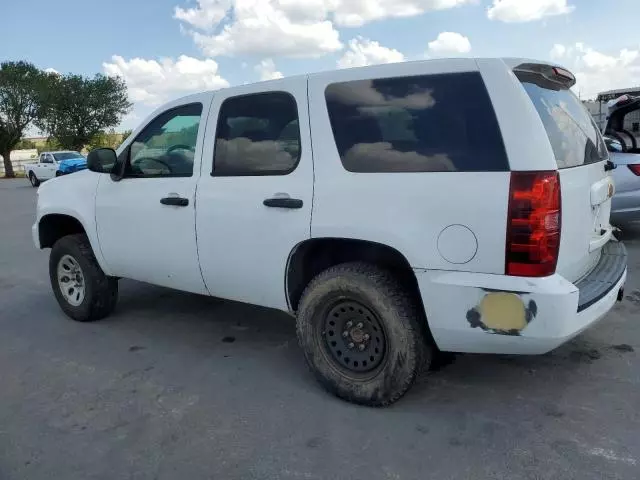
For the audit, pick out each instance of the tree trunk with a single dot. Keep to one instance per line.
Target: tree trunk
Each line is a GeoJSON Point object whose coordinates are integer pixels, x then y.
{"type": "Point", "coordinates": [8, 167]}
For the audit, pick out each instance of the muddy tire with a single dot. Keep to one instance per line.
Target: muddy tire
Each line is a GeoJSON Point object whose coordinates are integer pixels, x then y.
{"type": "Point", "coordinates": [82, 289]}
{"type": "Point", "coordinates": [362, 334]}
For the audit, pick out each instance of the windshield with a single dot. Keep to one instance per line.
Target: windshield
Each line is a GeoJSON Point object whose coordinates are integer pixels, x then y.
{"type": "Point", "coordinates": [573, 134]}
{"type": "Point", "coordinates": [66, 156]}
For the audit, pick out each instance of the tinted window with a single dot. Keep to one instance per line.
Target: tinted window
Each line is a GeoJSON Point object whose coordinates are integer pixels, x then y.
{"type": "Point", "coordinates": [432, 123]}
{"type": "Point", "coordinates": [66, 156]}
{"type": "Point", "coordinates": [572, 132]}
{"type": "Point", "coordinates": [257, 135]}
{"type": "Point", "coordinates": [166, 147]}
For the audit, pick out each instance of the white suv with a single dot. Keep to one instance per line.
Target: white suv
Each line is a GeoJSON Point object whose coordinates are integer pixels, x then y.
{"type": "Point", "coordinates": [455, 205]}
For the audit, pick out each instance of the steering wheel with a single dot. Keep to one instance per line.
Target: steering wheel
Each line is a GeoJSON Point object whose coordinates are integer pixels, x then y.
{"type": "Point", "coordinates": [154, 160]}
{"type": "Point", "coordinates": [180, 147]}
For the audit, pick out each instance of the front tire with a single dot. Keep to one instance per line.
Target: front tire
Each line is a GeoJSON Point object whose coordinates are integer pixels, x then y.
{"type": "Point", "coordinates": [362, 334]}
{"type": "Point", "coordinates": [80, 286]}
{"type": "Point", "coordinates": [34, 180]}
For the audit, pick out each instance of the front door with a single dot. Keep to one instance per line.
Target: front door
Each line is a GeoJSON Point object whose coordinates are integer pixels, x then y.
{"type": "Point", "coordinates": [146, 221]}
{"type": "Point", "coordinates": [256, 189]}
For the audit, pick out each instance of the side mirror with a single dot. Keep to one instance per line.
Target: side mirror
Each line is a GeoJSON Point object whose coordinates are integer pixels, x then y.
{"type": "Point", "coordinates": [101, 160]}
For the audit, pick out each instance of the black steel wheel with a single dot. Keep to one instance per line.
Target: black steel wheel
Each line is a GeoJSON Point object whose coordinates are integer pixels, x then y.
{"type": "Point", "coordinates": [362, 333]}
{"type": "Point", "coordinates": [354, 337]}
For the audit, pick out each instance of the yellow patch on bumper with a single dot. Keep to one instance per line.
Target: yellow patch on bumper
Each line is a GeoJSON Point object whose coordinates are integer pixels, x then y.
{"type": "Point", "coordinates": [503, 311]}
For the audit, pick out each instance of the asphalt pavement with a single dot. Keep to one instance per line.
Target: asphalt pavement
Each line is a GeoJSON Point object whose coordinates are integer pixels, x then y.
{"type": "Point", "coordinates": [178, 386]}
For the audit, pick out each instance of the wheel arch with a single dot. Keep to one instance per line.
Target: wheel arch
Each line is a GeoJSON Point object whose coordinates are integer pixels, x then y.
{"type": "Point", "coordinates": [310, 257]}
{"type": "Point", "coordinates": [53, 226]}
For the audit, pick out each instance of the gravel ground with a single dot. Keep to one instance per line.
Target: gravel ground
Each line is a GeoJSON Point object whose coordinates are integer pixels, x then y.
{"type": "Point", "coordinates": [177, 386]}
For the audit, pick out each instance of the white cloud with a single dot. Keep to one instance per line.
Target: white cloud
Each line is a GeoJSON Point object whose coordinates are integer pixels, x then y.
{"type": "Point", "coordinates": [557, 51]}
{"type": "Point", "coordinates": [206, 15]}
{"type": "Point", "coordinates": [263, 27]}
{"type": "Point", "coordinates": [362, 52]}
{"type": "Point", "coordinates": [153, 82]}
{"type": "Point", "coordinates": [267, 70]}
{"type": "Point", "coordinates": [354, 13]}
{"type": "Point", "coordinates": [295, 28]}
{"type": "Point", "coordinates": [512, 11]}
{"type": "Point", "coordinates": [597, 71]}
{"type": "Point", "coordinates": [450, 43]}
{"type": "Point", "coordinates": [51, 70]}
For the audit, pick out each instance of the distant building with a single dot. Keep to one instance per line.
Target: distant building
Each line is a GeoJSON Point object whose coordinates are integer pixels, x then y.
{"type": "Point", "coordinates": [598, 111]}
{"type": "Point", "coordinates": [598, 108]}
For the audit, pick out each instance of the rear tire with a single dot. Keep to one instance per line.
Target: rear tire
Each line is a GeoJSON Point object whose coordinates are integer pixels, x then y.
{"type": "Point", "coordinates": [345, 314]}
{"type": "Point", "coordinates": [34, 180]}
{"type": "Point", "coordinates": [58, 174]}
{"type": "Point", "coordinates": [81, 288]}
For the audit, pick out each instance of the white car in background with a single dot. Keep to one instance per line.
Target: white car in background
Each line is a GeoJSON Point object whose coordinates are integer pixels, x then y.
{"type": "Point", "coordinates": [47, 165]}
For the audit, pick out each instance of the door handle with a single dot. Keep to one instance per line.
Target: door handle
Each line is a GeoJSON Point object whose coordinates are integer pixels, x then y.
{"type": "Point", "coordinates": [175, 201]}
{"type": "Point", "coordinates": [283, 202]}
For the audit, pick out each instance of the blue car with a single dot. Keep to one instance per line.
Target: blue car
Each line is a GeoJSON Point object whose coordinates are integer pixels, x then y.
{"type": "Point", "coordinates": [69, 162]}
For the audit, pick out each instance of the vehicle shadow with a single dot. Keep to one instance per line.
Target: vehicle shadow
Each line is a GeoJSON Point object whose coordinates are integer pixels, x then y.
{"type": "Point", "coordinates": [211, 328]}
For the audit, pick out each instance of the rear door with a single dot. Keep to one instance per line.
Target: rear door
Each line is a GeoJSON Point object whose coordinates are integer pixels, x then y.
{"type": "Point", "coordinates": [581, 157]}
{"type": "Point", "coordinates": [255, 193]}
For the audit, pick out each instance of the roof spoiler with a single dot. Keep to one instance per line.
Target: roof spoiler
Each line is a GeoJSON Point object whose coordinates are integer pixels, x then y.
{"type": "Point", "coordinates": [548, 76]}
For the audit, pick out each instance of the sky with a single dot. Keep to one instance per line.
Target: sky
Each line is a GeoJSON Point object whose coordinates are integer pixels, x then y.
{"type": "Point", "coordinates": [165, 49]}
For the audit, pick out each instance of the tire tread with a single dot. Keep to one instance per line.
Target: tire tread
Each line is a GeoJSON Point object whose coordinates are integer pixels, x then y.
{"type": "Point", "coordinates": [104, 288]}
{"type": "Point", "coordinates": [417, 351]}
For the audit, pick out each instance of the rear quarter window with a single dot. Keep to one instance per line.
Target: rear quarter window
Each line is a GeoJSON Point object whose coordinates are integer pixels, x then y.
{"type": "Point", "coordinates": [428, 123]}
{"type": "Point", "coordinates": [572, 132]}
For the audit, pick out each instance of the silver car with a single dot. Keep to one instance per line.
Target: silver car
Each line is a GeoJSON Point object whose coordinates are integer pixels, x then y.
{"type": "Point", "coordinates": [622, 144]}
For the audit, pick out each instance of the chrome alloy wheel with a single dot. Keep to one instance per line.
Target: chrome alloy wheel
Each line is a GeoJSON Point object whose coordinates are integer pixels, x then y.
{"type": "Point", "coordinates": [71, 280]}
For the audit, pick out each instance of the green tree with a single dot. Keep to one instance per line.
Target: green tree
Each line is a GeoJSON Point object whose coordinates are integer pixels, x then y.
{"type": "Point", "coordinates": [21, 100]}
{"type": "Point", "coordinates": [126, 134]}
{"type": "Point", "coordinates": [79, 108]}
{"type": "Point", "coordinates": [109, 139]}
{"type": "Point", "coordinates": [51, 145]}
{"type": "Point", "coordinates": [25, 144]}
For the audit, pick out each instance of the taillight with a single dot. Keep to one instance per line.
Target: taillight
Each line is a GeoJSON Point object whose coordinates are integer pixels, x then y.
{"type": "Point", "coordinates": [635, 169]}
{"type": "Point", "coordinates": [533, 225]}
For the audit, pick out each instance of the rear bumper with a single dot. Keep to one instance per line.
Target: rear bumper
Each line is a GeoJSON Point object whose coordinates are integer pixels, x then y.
{"type": "Point", "coordinates": [625, 206]}
{"type": "Point", "coordinates": [482, 313]}
{"type": "Point", "coordinates": [604, 277]}
{"type": "Point", "coordinates": [626, 215]}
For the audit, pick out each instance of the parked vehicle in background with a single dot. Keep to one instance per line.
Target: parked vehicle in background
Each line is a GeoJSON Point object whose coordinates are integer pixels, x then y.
{"type": "Point", "coordinates": [49, 163]}
{"type": "Point", "coordinates": [622, 144]}
{"type": "Point", "coordinates": [69, 162]}
{"type": "Point", "coordinates": [458, 204]}
{"type": "Point", "coordinates": [625, 205]}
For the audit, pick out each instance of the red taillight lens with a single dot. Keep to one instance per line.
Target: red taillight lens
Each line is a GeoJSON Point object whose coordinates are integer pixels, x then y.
{"type": "Point", "coordinates": [533, 225]}
{"type": "Point", "coordinates": [635, 169]}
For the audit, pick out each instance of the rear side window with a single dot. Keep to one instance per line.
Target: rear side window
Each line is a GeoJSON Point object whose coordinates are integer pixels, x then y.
{"type": "Point", "coordinates": [257, 135]}
{"type": "Point", "coordinates": [572, 132]}
{"type": "Point", "coordinates": [430, 123]}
